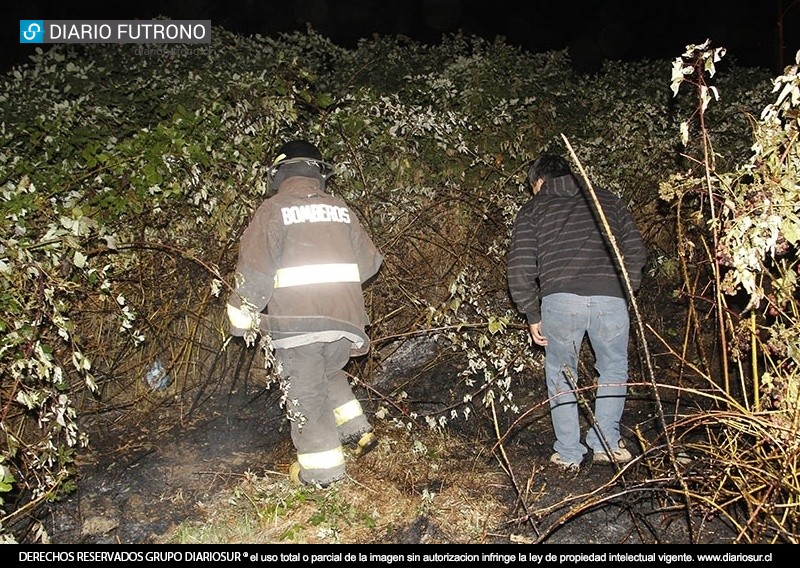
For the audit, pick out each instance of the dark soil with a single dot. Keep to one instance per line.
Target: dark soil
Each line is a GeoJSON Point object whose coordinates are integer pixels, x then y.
{"type": "Point", "coordinates": [144, 477]}
{"type": "Point", "coordinates": [137, 485]}
{"type": "Point", "coordinates": [140, 483]}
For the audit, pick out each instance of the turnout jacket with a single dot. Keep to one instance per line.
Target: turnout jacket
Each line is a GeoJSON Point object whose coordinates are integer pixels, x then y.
{"type": "Point", "coordinates": [558, 245]}
{"type": "Point", "coordinates": [303, 258]}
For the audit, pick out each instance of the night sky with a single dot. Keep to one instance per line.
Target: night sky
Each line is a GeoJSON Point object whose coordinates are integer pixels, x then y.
{"type": "Point", "coordinates": [625, 30]}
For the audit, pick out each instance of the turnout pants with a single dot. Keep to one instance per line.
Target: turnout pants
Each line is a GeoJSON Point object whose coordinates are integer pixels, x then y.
{"type": "Point", "coordinates": [322, 408]}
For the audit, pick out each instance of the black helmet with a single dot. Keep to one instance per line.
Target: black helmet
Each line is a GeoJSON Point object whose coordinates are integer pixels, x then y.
{"type": "Point", "coordinates": [298, 152]}
{"type": "Point", "coordinates": [298, 149]}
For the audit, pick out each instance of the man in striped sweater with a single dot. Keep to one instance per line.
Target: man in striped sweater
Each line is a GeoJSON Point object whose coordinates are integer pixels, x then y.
{"type": "Point", "coordinates": [564, 276]}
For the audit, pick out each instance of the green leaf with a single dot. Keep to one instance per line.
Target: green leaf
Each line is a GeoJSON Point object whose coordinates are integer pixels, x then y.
{"type": "Point", "coordinates": [496, 325]}
{"type": "Point", "coordinates": [152, 175]}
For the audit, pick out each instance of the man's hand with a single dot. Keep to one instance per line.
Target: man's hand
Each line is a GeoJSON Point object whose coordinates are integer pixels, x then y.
{"type": "Point", "coordinates": [536, 334]}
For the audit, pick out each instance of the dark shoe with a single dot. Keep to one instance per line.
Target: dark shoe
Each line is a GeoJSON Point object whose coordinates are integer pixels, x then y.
{"type": "Point", "coordinates": [366, 443]}
{"type": "Point", "coordinates": [619, 455]}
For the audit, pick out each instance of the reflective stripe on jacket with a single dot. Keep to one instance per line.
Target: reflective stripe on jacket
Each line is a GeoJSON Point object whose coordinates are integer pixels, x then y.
{"type": "Point", "coordinates": [316, 274]}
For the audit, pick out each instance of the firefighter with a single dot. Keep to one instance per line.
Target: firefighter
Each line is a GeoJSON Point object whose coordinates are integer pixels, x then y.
{"type": "Point", "coordinates": [302, 262]}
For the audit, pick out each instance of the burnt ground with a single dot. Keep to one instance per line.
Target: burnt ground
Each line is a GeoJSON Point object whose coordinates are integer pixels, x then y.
{"type": "Point", "coordinates": [138, 484]}
{"type": "Point", "coordinates": [148, 474]}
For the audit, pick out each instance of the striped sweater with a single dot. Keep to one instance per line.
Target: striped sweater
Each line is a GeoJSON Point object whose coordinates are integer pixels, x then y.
{"type": "Point", "coordinates": [557, 245]}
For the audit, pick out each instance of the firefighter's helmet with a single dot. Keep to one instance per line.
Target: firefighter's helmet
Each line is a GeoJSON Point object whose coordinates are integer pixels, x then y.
{"type": "Point", "coordinates": [300, 152]}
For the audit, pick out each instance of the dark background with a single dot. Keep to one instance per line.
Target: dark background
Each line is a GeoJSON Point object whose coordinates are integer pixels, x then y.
{"type": "Point", "coordinates": [593, 31]}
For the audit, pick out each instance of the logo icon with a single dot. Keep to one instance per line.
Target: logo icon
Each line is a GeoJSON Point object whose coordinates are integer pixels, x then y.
{"type": "Point", "coordinates": [31, 31]}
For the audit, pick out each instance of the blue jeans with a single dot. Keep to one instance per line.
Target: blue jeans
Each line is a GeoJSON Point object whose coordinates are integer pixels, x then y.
{"type": "Point", "coordinates": [566, 319]}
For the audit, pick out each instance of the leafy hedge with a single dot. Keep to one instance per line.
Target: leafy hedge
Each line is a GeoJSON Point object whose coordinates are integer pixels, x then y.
{"type": "Point", "coordinates": [127, 174]}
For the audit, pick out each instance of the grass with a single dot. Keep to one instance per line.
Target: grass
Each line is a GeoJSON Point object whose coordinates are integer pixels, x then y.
{"type": "Point", "coordinates": [401, 490]}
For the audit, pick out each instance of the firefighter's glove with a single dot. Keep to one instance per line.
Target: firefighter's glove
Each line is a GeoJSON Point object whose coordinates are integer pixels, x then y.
{"type": "Point", "coordinates": [243, 320]}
